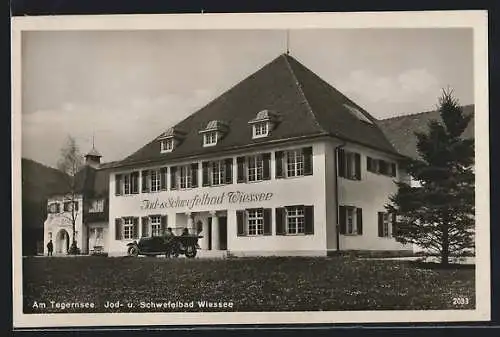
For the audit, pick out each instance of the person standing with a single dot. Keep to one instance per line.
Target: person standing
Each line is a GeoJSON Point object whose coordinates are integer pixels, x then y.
{"type": "Point", "coordinates": [50, 247]}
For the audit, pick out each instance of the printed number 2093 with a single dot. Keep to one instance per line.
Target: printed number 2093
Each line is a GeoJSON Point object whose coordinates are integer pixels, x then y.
{"type": "Point", "coordinates": [460, 300]}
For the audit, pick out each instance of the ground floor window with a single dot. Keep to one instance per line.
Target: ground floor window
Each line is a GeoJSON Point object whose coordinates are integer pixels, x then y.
{"type": "Point", "coordinates": [155, 225]}
{"type": "Point", "coordinates": [386, 223]}
{"type": "Point", "coordinates": [128, 228]}
{"type": "Point", "coordinates": [295, 220]}
{"type": "Point", "coordinates": [255, 221]}
{"type": "Point", "coordinates": [350, 220]}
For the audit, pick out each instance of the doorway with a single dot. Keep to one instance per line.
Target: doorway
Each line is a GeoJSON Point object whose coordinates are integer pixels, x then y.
{"type": "Point", "coordinates": [62, 242]}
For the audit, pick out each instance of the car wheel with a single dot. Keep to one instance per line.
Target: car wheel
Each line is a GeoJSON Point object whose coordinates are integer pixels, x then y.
{"type": "Point", "coordinates": [190, 251]}
{"type": "Point", "coordinates": [133, 251]}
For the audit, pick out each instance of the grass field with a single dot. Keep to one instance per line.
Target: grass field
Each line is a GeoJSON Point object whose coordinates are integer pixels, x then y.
{"type": "Point", "coordinates": [251, 284]}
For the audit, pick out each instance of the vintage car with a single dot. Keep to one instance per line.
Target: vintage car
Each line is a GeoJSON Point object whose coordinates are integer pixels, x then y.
{"type": "Point", "coordinates": [157, 245]}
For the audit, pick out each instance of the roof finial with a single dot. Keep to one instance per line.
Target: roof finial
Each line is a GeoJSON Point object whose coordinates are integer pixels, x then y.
{"type": "Point", "coordinates": [93, 136]}
{"type": "Point", "coordinates": [287, 41]}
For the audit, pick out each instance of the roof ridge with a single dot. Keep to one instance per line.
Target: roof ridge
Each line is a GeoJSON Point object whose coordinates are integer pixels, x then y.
{"type": "Point", "coordinates": [310, 110]}
{"type": "Point", "coordinates": [419, 113]}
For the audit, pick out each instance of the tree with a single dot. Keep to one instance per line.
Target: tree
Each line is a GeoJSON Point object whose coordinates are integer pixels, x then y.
{"type": "Point", "coordinates": [70, 163]}
{"type": "Point", "coordinates": [438, 215]}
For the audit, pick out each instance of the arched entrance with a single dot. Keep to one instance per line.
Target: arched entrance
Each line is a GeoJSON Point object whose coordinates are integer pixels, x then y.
{"type": "Point", "coordinates": [62, 242]}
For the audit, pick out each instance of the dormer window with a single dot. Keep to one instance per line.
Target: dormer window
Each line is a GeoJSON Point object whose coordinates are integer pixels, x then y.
{"type": "Point", "coordinates": [263, 123]}
{"type": "Point", "coordinates": [260, 129]}
{"type": "Point", "coordinates": [167, 145]}
{"type": "Point", "coordinates": [213, 132]}
{"type": "Point", "coordinates": [210, 138]}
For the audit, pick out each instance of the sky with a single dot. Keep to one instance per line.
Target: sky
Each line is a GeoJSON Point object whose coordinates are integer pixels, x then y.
{"type": "Point", "coordinates": [124, 88]}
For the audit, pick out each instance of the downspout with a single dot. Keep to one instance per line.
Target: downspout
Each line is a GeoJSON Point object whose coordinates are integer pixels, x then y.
{"type": "Point", "coordinates": [337, 229]}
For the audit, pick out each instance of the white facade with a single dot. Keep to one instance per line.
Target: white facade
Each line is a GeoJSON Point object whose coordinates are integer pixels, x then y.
{"type": "Point", "coordinates": [197, 207]}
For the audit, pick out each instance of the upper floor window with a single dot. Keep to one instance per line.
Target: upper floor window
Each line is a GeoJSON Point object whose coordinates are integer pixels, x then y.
{"type": "Point", "coordinates": [217, 172]}
{"type": "Point", "coordinates": [349, 165]}
{"type": "Point", "coordinates": [184, 177]}
{"type": "Point", "coordinates": [97, 206]}
{"type": "Point", "coordinates": [68, 206]}
{"type": "Point", "coordinates": [260, 129]}
{"type": "Point", "coordinates": [210, 138]}
{"type": "Point", "coordinates": [154, 180]}
{"type": "Point", "coordinates": [167, 145]}
{"type": "Point", "coordinates": [254, 168]}
{"type": "Point", "coordinates": [127, 183]}
{"type": "Point", "coordinates": [294, 163]}
{"type": "Point", "coordinates": [351, 220]}
{"type": "Point", "coordinates": [54, 207]}
{"type": "Point", "coordinates": [293, 220]}
{"type": "Point", "coordinates": [381, 166]}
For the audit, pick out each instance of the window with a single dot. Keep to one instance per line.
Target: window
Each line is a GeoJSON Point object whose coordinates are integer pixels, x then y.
{"type": "Point", "coordinates": [54, 207]}
{"type": "Point", "coordinates": [128, 228]}
{"type": "Point", "coordinates": [255, 221]}
{"type": "Point", "coordinates": [67, 206]}
{"type": "Point", "coordinates": [127, 183]}
{"type": "Point", "coordinates": [255, 168]}
{"type": "Point", "coordinates": [260, 129]}
{"type": "Point", "coordinates": [350, 220]}
{"type": "Point", "coordinates": [218, 170]}
{"type": "Point", "coordinates": [185, 177]}
{"type": "Point", "coordinates": [349, 165]}
{"type": "Point", "coordinates": [155, 225]}
{"type": "Point", "coordinates": [155, 180]}
{"type": "Point", "coordinates": [97, 206]}
{"type": "Point", "coordinates": [380, 166]}
{"type": "Point", "coordinates": [210, 138]}
{"type": "Point", "coordinates": [167, 145]}
{"type": "Point", "coordinates": [385, 228]}
{"type": "Point", "coordinates": [295, 220]}
{"type": "Point", "coordinates": [294, 163]}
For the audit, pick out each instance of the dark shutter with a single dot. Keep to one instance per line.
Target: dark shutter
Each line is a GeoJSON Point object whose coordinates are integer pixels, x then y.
{"type": "Point", "coordinates": [309, 219]}
{"type": "Point", "coordinates": [341, 163]}
{"type": "Point", "coordinates": [279, 164]}
{"type": "Point", "coordinates": [240, 222]}
{"type": "Point", "coordinates": [205, 173]}
{"type": "Point", "coordinates": [145, 226]}
{"type": "Point", "coordinates": [194, 175]}
{"type": "Point", "coordinates": [308, 161]}
{"type": "Point", "coordinates": [163, 178]}
{"type": "Point", "coordinates": [229, 170]}
{"type": "Point", "coordinates": [369, 164]}
{"type": "Point", "coordinates": [268, 221]}
{"type": "Point", "coordinates": [145, 187]}
{"type": "Point", "coordinates": [380, 224]}
{"type": "Point", "coordinates": [342, 219]}
{"type": "Point", "coordinates": [173, 178]}
{"type": "Point", "coordinates": [136, 228]}
{"type": "Point", "coordinates": [134, 182]}
{"type": "Point", "coordinates": [280, 221]}
{"type": "Point", "coordinates": [240, 161]}
{"type": "Point", "coordinates": [394, 224]}
{"type": "Point", "coordinates": [359, 220]}
{"type": "Point", "coordinates": [163, 224]}
{"type": "Point", "coordinates": [58, 208]}
{"type": "Point", "coordinates": [118, 184]}
{"type": "Point", "coordinates": [266, 171]}
{"type": "Point", "coordinates": [393, 169]}
{"type": "Point", "coordinates": [357, 163]}
{"type": "Point", "coordinates": [118, 229]}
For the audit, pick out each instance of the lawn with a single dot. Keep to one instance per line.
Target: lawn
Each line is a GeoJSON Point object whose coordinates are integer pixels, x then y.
{"type": "Point", "coordinates": [250, 284]}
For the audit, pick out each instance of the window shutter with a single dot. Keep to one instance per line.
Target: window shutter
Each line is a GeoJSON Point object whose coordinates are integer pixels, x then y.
{"type": "Point", "coordinates": [58, 208]}
{"type": "Point", "coordinates": [240, 222]}
{"type": "Point", "coordinates": [394, 224]}
{"type": "Point", "coordinates": [380, 224]}
{"type": "Point", "coordinates": [308, 161]}
{"type": "Point", "coordinates": [309, 219]}
{"type": "Point", "coordinates": [342, 219]}
{"type": "Point", "coordinates": [194, 175]}
{"type": "Point", "coordinates": [145, 187]}
{"type": "Point", "coordinates": [266, 172]}
{"type": "Point", "coordinates": [205, 176]}
{"type": "Point", "coordinates": [369, 164]}
{"type": "Point", "coordinates": [134, 177]}
{"type": "Point", "coordinates": [357, 163]}
{"type": "Point", "coordinates": [145, 226]}
{"type": "Point", "coordinates": [136, 228]}
{"type": "Point", "coordinates": [118, 184]}
{"type": "Point", "coordinates": [229, 170]}
{"type": "Point", "coordinates": [280, 221]}
{"type": "Point", "coordinates": [268, 221]}
{"type": "Point", "coordinates": [173, 178]}
{"type": "Point", "coordinates": [278, 156]}
{"type": "Point", "coordinates": [163, 178]}
{"type": "Point", "coordinates": [341, 163]}
{"type": "Point", "coordinates": [240, 162]}
{"type": "Point", "coordinates": [359, 221]}
{"type": "Point", "coordinates": [163, 220]}
{"type": "Point", "coordinates": [393, 169]}
{"type": "Point", "coordinates": [118, 229]}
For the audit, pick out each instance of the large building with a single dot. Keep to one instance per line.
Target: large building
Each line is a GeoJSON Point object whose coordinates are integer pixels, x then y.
{"type": "Point", "coordinates": [280, 164]}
